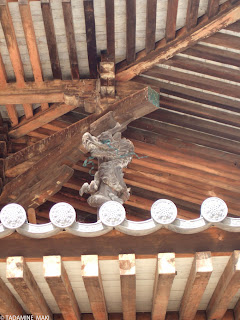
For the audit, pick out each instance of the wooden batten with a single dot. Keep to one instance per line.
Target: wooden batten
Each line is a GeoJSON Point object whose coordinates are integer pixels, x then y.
{"type": "Point", "coordinates": [150, 25]}
{"type": "Point", "coordinates": [192, 14]}
{"type": "Point", "coordinates": [59, 284]}
{"type": "Point", "coordinates": [131, 30]}
{"type": "Point", "coordinates": [227, 287]}
{"type": "Point", "coordinates": [171, 20]}
{"type": "Point", "coordinates": [197, 281]}
{"type": "Point", "coordinates": [21, 278]}
{"type": "Point", "coordinates": [110, 28]}
{"type": "Point", "coordinates": [165, 273]}
{"type": "Point", "coordinates": [93, 284]}
{"type": "Point", "coordinates": [128, 285]}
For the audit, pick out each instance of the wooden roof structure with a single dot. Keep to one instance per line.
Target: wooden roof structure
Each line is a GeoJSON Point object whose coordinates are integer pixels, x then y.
{"type": "Point", "coordinates": [65, 65]}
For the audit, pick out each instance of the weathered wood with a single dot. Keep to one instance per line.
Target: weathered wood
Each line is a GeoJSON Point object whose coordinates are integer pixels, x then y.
{"type": "Point", "coordinates": [192, 14]}
{"type": "Point", "coordinates": [8, 303]}
{"type": "Point", "coordinates": [224, 40]}
{"type": "Point", "coordinates": [51, 39]}
{"type": "Point", "coordinates": [237, 310]}
{"type": "Point", "coordinates": [228, 285]}
{"type": "Point", "coordinates": [131, 30]}
{"type": "Point", "coordinates": [90, 37]}
{"type": "Point", "coordinates": [197, 282]}
{"type": "Point", "coordinates": [110, 28]}
{"type": "Point", "coordinates": [150, 25]}
{"type": "Point", "coordinates": [234, 27]}
{"type": "Point", "coordinates": [72, 50]}
{"type": "Point", "coordinates": [93, 284]}
{"type": "Point", "coordinates": [56, 276]}
{"type": "Point", "coordinates": [31, 214]}
{"type": "Point", "coordinates": [213, 6]}
{"type": "Point", "coordinates": [128, 285]}
{"type": "Point", "coordinates": [171, 20]}
{"type": "Point", "coordinates": [40, 119]}
{"type": "Point", "coordinates": [21, 278]}
{"type": "Point", "coordinates": [165, 273]}
{"type": "Point", "coordinates": [48, 91]}
{"type": "Point", "coordinates": [223, 19]}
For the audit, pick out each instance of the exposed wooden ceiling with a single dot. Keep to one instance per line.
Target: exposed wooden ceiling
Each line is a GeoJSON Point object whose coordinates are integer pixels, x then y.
{"type": "Point", "coordinates": [188, 149]}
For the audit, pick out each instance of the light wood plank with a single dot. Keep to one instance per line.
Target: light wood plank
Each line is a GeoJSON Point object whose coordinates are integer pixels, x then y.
{"type": "Point", "coordinates": [128, 285]}
{"type": "Point", "coordinates": [60, 286]}
{"type": "Point", "coordinates": [227, 287]}
{"type": "Point", "coordinates": [92, 280]}
{"type": "Point", "coordinates": [197, 281]}
{"type": "Point", "coordinates": [20, 276]}
{"type": "Point", "coordinates": [31, 214]}
{"type": "Point", "coordinates": [165, 273]}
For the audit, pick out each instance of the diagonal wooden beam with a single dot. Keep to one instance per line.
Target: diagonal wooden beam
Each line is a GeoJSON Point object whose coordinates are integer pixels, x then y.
{"type": "Point", "coordinates": [228, 285]}
{"type": "Point", "coordinates": [226, 16]}
{"type": "Point", "coordinates": [197, 281]}
{"type": "Point", "coordinates": [128, 285]}
{"type": "Point", "coordinates": [21, 278]}
{"type": "Point", "coordinates": [60, 286]}
{"type": "Point", "coordinates": [93, 284]}
{"type": "Point", "coordinates": [165, 273]}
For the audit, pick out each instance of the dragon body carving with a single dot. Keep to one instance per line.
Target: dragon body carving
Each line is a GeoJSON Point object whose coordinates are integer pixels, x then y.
{"type": "Point", "coordinates": [113, 153]}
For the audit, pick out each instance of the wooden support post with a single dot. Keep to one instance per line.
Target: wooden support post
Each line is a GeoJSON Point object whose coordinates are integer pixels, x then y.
{"type": "Point", "coordinates": [31, 216]}
{"type": "Point", "coordinates": [213, 7]}
{"type": "Point", "coordinates": [60, 286]}
{"type": "Point", "coordinates": [93, 284]}
{"type": "Point", "coordinates": [8, 303]}
{"type": "Point", "coordinates": [110, 28]}
{"type": "Point", "coordinates": [197, 281]}
{"type": "Point", "coordinates": [131, 30]}
{"type": "Point", "coordinates": [165, 273]}
{"type": "Point", "coordinates": [151, 25]}
{"type": "Point", "coordinates": [171, 20]}
{"type": "Point", "coordinates": [128, 285]}
{"type": "Point", "coordinates": [20, 276]}
{"type": "Point", "coordinates": [227, 287]}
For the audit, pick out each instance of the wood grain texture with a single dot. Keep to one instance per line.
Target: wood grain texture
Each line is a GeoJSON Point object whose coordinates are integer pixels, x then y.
{"type": "Point", "coordinates": [213, 6]}
{"type": "Point", "coordinates": [197, 282]}
{"type": "Point", "coordinates": [165, 273]}
{"type": "Point", "coordinates": [131, 30]}
{"type": "Point", "coordinates": [20, 276]}
{"type": "Point", "coordinates": [226, 289]}
{"type": "Point", "coordinates": [150, 25]}
{"type": "Point", "coordinates": [60, 286]}
{"type": "Point", "coordinates": [93, 284]}
{"type": "Point", "coordinates": [171, 20]}
{"type": "Point", "coordinates": [192, 13]}
{"type": "Point", "coordinates": [128, 285]}
{"type": "Point", "coordinates": [110, 28]}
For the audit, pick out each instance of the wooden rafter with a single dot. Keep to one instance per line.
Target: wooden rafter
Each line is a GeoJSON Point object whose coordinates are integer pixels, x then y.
{"type": "Point", "coordinates": [150, 25]}
{"type": "Point", "coordinates": [185, 39]}
{"type": "Point", "coordinates": [171, 20]}
{"type": "Point", "coordinates": [110, 28]}
{"type": "Point", "coordinates": [131, 30]}
{"type": "Point", "coordinates": [192, 14]}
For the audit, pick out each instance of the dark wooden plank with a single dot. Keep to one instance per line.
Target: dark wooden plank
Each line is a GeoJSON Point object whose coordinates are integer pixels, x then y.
{"type": "Point", "coordinates": [131, 30]}
{"type": "Point", "coordinates": [110, 28]}
{"type": "Point", "coordinates": [234, 27]}
{"type": "Point", "coordinates": [91, 37]}
{"type": "Point", "coordinates": [213, 7]}
{"type": "Point", "coordinates": [151, 25]}
{"type": "Point", "coordinates": [192, 14]}
{"type": "Point", "coordinates": [229, 14]}
{"type": "Point", "coordinates": [51, 39]}
{"type": "Point", "coordinates": [171, 20]}
{"type": "Point", "coordinates": [224, 40]}
{"type": "Point", "coordinates": [72, 50]}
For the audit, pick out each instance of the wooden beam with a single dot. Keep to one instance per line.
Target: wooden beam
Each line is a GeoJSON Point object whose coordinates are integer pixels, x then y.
{"type": "Point", "coordinates": [131, 30]}
{"type": "Point", "coordinates": [165, 273]}
{"type": "Point", "coordinates": [110, 28]}
{"type": "Point", "coordinates": [8, 303]}
{"type": "Point", "coordinates": [228, 285]}
{"type": "Point", "coordinates": [213, 6]}
{"type": "Point", "coordinates": [60, 286]}
{"type": "Point", "coordinates": [71, 43]}
{"type": "Point", "coordinates": [182, 42]}
{"type": "Point", "coordinates": [21, 278]}
{"type": "Point", "coordinates": [171, 20]}
{"type": "Point", "coordinates": [51, 39]}
{"type": "Point", "coordinates": [237, 310]}
{"type": "Point", "coordinates": [192, 14]}
{"type": "Point", "coordinates": [128, 285]}
{"type": "Point", "coordinates": [48, 91]}
{"type": "Point", "coordinates": [151, 25]}
{"type": "Point", "coordinates": [197, 282]}
{"type": "Point", "coordinates": [91, 37]}
{"type": "Point", "coordinates": [93, 284]}
{"type": "Point", "coordinates": [31, 214]}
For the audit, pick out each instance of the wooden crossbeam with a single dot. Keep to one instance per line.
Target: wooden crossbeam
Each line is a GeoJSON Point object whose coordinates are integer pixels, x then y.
{"type": "Point", "coordinates": [228, 285]}
{"type": "Point", "coordinates": [131, 30]}
{"type": "Point", "coordinates": [197, 281]}
{"type": "Point", "coordinates": [150, 25]}
{"type": "Point", "coordinates": [51, 39]}
{"type": "Point", "coordinates": [72, 50]}
{"type": "Point", "coordinates": [8, 303]}
{"type": "Point", "coordinates": [59, 284]}
{"type": "Point", "coordinates": [229, 14]}
{"type": "Point", "coordinates": [26, 16]}
{"type": "Point", "coordinates": [128, 285]}
{"type": "Point", "coordinates": [91, 37]}
{"type": "Point", "coordinates": [21, 278]}
{"type": "Point", "coordinates": [93, 284]}
{"type": "Point", "coordinates": [164, 276]}
{"type": "Point", "coordinates": [171, 20]}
